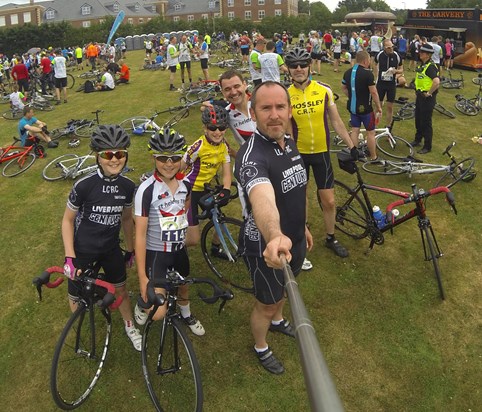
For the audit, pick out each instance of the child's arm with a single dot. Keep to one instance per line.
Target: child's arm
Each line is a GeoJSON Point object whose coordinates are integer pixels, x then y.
{"type": "Point", "coordinates": [141, 233]}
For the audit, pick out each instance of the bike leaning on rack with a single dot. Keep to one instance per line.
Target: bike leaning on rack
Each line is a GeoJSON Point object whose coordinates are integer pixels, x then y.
{"type": "Point", "coordinates": [169, 363]}
{"type": "Point", "coordinates": [83, 345]}
{"type": "Point", "coordinates": [354, 213]}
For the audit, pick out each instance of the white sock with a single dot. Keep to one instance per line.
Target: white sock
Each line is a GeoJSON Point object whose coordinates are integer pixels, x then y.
{"type": "Point", "coordinates": [185, 310]}
{"type": "Point", "coordinates": [260, 350]}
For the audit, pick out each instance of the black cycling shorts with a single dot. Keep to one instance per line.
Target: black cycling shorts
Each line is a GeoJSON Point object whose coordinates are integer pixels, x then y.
{"type": "Point", "coordinates": [60, 82]}
{"type": "Point", "coordinates": [386, 89]}
{"type": "Point", "coordinates": [322, 169]}
{"type": "Point", "coordinates": [185, 64]}
{"type": "Point", "coordinates": [244, 51]}
{"type": "Point", "coordinates": [157, 263]}
{"type": "Point", "coordinates": [193, 211]}
{"type": "Point", "coordinates": [172, 69]}
{"type": "Point", "coordinates": [112, 263]}
{"type": "Point", "coordinates": [269, 283]}
{"type": "Point", "coordinates": [204, 64]}
{"type": "Point", "coordinates": [22, 85]}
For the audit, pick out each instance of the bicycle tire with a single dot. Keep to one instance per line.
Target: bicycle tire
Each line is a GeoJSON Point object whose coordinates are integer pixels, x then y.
{"type": "Point", "coordinates": [86, 130]}
{"type": "Point", "coordinates": [18, 165]}
{"type": "Point", "coordinates": [172, 388]}
{"type": "Point", "coordinates": [396, 146]}
{"type": "Point", "coordinates": [467, 108]}
{"type": "Point", "coordinates": [133, 122]}
{"type": "Point", "coordinates": [454, 84]}
{"type": "Point", "coordinates": [477, 80]}
{"type": "Point", "coordinates": [439, 108]}
{"type": "Point", "coordinates": [13, 114]}
{"type": "Point", "coordinates": [406, 112]}
{"type": "Point", "coordinates": [456, 173]}
{"type": "Point", "coordinates": [384, 168]}
{"type": "Point", "coordinates": [70, 81]}
{"type": "Point", "coordinates": [78, 357]}
{"type": "Point", "coordinates": [234, 273]}
{"type": "Point", "coordinates": [434, 257]}
{"type": "Point", "coordinates": [44, 106]}
{"type": "Point", "coordinates": [351, 216]}
{"type": "Point", "coordinates": [56, 134]}
{"type": "Point", "coordinates": [56, 171]}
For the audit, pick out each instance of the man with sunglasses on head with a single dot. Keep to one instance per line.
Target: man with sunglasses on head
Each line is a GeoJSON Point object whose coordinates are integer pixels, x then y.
{"type": "Point", "coordinates": [97, 207]}
{"type": "Point", "coordinates": [161, 206]}
{"type": "Point", "coordinates": [312, 103]}
{"type": "Point", "coordinates": [202, 161]}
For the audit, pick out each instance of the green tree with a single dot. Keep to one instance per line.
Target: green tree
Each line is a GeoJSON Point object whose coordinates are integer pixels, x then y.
{"type": "Point", "coordinates": [452, 4]}
{"type": "Point", "coordinates": [304, 6]}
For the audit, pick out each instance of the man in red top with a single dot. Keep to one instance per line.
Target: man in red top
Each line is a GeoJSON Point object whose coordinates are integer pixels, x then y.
{"type": "Point", "coordinates": [328, 40]}
{"type": "Point", "coordinates": [20, 75]}
{"type": "Point", "coordinates": [124, 73]}
{"type": "Point", "coordinates": [46, 73]}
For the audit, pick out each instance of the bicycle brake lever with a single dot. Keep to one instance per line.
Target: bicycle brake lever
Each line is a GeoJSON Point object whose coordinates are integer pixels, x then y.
{"type": "Point", "coordinates": [37, 283]}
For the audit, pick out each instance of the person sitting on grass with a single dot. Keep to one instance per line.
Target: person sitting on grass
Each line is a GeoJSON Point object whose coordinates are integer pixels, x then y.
{"type": "Point", "coordinates": [161, 205]}
{"type": "Point", "coordinates": [31, 126]}
{"type": "Point", "coordinates": [124, 73]}
{"type": "Point", "coordinates": [16, 99]}
{"type": "Point", "coordinates": [106, 83]}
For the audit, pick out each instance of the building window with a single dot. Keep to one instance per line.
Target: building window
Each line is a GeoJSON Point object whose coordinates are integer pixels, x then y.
{"type": "Point", "coordinates": [230, 15]}
{"type": "Point", "coordinates": [277, 1]}
{"type": "Point", "coordinates": [2, 21]}
{"type": "Point", "coordinates": [116, 7]}
{"type": "Point", "coordinates": [153, 9]}
{"type": "Point", "coordinates": [130, 20]}
{"type": "Point", "coordinates": [216, 15]}
{"type": "Point", "coordinates": [177, 7]}
{"type": "Point", "coordinates": [190, 18]}
{"type": "Point", "coordinates": [101, 21]}
{"type": "Point", "coordinates": [230, 3]}
{"type": "Point", "coordinates": [260, 2]}
{"type": "Point", "coordinates": [86, 23]}
{"type": "Point", "coordinates": [204, 16]}
{"type": "Point", "coordinates": [149, 18]}
{"type": "Point", "coordinates": [137, 7]}
{"type": "Point", "coordinates": [50, 14]}
{"type": "Point", "coordinates": [176, 18]}
{"type": "Point", "coordinates": [27, 17]}
{"type": "Point", "coordinates": [14, 19]}
{"type": "Point", "coordinates": [86, 10]}
{"type": "Point", "coordinates": [141, 20]}
{"type": "Point", "coordinates": [212, 4]}
{"type": "Point", "coordinates": [247, 15]}
{"type": "Point", "coordinates": [277, 12]}
{"type": "Point", "coordinates": [247, 2]}
{"type": "Point", "coordinates": [261, 14]}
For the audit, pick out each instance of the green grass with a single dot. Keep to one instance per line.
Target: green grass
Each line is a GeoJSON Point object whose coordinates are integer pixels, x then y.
{"type": "Point", "coordinates": [389, 341]}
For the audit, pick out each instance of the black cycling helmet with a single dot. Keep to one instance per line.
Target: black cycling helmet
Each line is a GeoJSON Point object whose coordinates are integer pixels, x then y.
{"type": "Point", "coordinates": [215, 115]}
{"type": "Point", "coordinates": [109, 137]}
{"type": "Point", "coordinates": [427, 48]}
{"type": "Point", "coordinates": [167, 140]}
{"type": "Point", "coordinates": [298, 55]}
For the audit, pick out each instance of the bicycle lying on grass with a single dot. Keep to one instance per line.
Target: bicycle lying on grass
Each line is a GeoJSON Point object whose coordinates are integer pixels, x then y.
{"type": "Point", "coordinates": [469, 107]}
{"type": "Point", "coordinates": [88, 127]}
{"type": "Point", "coordinates": [451, 83]}
{"type": "Point", "coordinates": [354, 214]}
{"type": "Point", "coordinates": [19, 158]}
{"type": "Point", "coordinates": [69, 166]}
{"type": "Point", "coordinates": [453, 172]}
{"type": "Point", "coordinates": [83, 345]}
{"type": "Point", "coordinates": [407, 111]}
{"type": "Point", "coordinates": [169, 363]}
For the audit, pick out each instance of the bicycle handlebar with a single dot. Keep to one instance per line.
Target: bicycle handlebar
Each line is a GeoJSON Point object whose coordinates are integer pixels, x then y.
{"type": "Point", "coordinates": [108, 300]}
{"type": "Point", "coordinates": [211, 200]}
{"type": "Point", "coordinates": [448, 148]}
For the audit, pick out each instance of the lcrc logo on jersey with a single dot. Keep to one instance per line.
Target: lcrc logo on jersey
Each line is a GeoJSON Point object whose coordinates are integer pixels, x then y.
{"type": "Point", "coordinates": [247, 173]}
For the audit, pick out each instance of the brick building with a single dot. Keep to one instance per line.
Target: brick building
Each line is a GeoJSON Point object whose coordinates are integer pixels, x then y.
{"type": "Point", "coordinates": [12, 15]}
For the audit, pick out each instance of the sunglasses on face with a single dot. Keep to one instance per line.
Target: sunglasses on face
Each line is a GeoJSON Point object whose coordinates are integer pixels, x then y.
{"type": "Point", "coordinates": [165, 158]}
{"type": "Point", "coordinates": [214, 127]}
{"type": "Point", "coordinates": [300, 65]}
{"type": "Point", "coordinates": [110, 154]}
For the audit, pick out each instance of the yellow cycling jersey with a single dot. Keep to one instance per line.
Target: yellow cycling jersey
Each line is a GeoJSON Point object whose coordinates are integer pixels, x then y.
{"type": "Point", "coordinates": [310, 116]}
{"type": "Point", "coordinates": [203, 160]}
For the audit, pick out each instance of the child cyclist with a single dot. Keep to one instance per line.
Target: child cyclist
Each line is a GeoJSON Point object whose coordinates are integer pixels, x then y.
{"type": "Point", "coordinates": [97, 207]}
{"type": "Point", "coordinates": [203, 160]}
{"type": "Point", "coordinates": [161, 204]}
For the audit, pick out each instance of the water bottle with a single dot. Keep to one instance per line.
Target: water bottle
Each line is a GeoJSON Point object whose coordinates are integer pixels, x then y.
{"type": "Point", "coordinates": [379, 217]}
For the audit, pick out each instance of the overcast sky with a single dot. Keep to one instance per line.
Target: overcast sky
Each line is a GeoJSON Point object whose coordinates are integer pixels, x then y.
{"type": "Point", "coordinates": [331, 4]}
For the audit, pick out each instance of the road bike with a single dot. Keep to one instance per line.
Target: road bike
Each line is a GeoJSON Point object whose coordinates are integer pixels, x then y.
{"type": "Point", "coordinates": [82, 348]}
{"type": "Point", "coordinates": [389, 144]}
{"type": "Point", "coordinates": [453, 172]}
{"type": "Point", "coordinates": [68, 130]}
{"type": "Point", "coordinates": [14, 113]}
{"type": "Point", "coordinates": [200, 91]}
{"type": "Point", "coordinates": [354, 213]}
{"type": "Point", "coordinates": [91, 74]}
{"type": "Point", "coordinates": [19, 158]}
{"type": "Point", "coordinates": [228, 265]}
{"type": "Point", "coordinates": [472, 106]}
{"type": "Point", "coordinates": [407, 111]}
{"type": "Point", "coordinates": [69, 166]}
{"type": "Point", "coordinates": [169, 363]}
{"type": "Point", "coordinates": [451, 83]}
{"type": "Point", "coordinates": [477, 80]}
{"type": "Point", "coordinates": [88, 128]}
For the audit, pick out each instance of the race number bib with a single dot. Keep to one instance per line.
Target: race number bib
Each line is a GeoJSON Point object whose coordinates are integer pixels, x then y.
{"type": "Point", "coordinates": [173, 228]}
{"type": "Point", "coordinates": [387, 76]}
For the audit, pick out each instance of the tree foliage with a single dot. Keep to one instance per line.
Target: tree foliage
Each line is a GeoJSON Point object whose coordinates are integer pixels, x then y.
{"type": "Point", "coordinates": [452, 4]}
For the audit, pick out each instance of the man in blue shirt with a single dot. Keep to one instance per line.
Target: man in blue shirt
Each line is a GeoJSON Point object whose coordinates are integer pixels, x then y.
{"type": "Point", "coordinates": [31, 126]}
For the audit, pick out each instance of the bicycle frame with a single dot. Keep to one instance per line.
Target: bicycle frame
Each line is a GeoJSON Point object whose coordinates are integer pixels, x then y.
{"type": "Point", "coordinates": [22, 152]}
{"type": "Point", "coordinates": [76, 170]}
{"type": "Point", "coordinates": [223, 231]}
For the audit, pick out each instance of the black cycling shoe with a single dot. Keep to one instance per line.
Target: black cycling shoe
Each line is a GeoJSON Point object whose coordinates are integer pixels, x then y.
{"type": "Point", "coordinates": [336, 247]}
{"type": "Point", "coordinates": [284, 327]}
{"type": "Point", "coordinates": [269, 362]}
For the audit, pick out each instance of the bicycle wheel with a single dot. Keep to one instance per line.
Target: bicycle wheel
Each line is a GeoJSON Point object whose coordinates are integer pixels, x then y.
{"type": "Point", "coordinates": [385, 168]}
{"type": "Point", "coordinates": [394, 146]}
{"type": "Point", "coordinates": [56, 134]}
{"type": "Point", "coordinates": [235, 273]}
{"type": "Point", "coordinates": [477, 80]}
{"type": "Point", "coordinates": [444, 111]}
{"type": "Point", "coordinates": [457, 172]}
{"type": "Point", "coordinates": [13, 114]}
{"type": "Point", "coordinates": [44, 106]}
{"type": "Point", "coordinates": [70, 81]}
{"type": "Point", "coordinates": [351, 213]}
{"type": "Point", "coordinates": [170, 367]}
{"type": "Point", "coordinates": [434, 256]}
{"type": "Point", "coordinates": [18, 165]}
{"type": "Point", "coordinates": [454, 84]}
{"type": "Point", "coordinates": [60, 167]}
{"type": "Point", "coordinates": [467, 108]}
{"type": "Point", "coordinates": [80, 352]}
{"type": "Point", "coordinates": [134, 122]}
{"type": "Point", "coordinates": [406, 112]}
{"type": "Point", "coordinates": [86, 130]}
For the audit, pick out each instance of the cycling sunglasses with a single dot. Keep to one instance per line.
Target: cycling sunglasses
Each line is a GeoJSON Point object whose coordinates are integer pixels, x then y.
{"type": "Point", "coordinates": [166, 158]}
{"type": "Point", "coordinates": [300, 65]}
{"type": "Point", "coordinates": [110, 154]}
{"type": "Point", "coordinates": [214, 127]}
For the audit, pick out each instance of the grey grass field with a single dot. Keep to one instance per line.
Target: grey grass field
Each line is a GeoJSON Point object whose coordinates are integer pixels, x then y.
{"type": "Point", "coordinates": [390, 342]}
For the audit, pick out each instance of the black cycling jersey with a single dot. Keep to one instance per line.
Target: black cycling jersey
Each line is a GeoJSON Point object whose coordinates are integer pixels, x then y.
{"type": "Point", "coordinates": [361, 101]}
{"type": "Point", "coordinates": [99, 203]}
{"type": "Point", "coordinates": [385, 61]}
{"type": "Point", "coordinates": [259, 161]}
